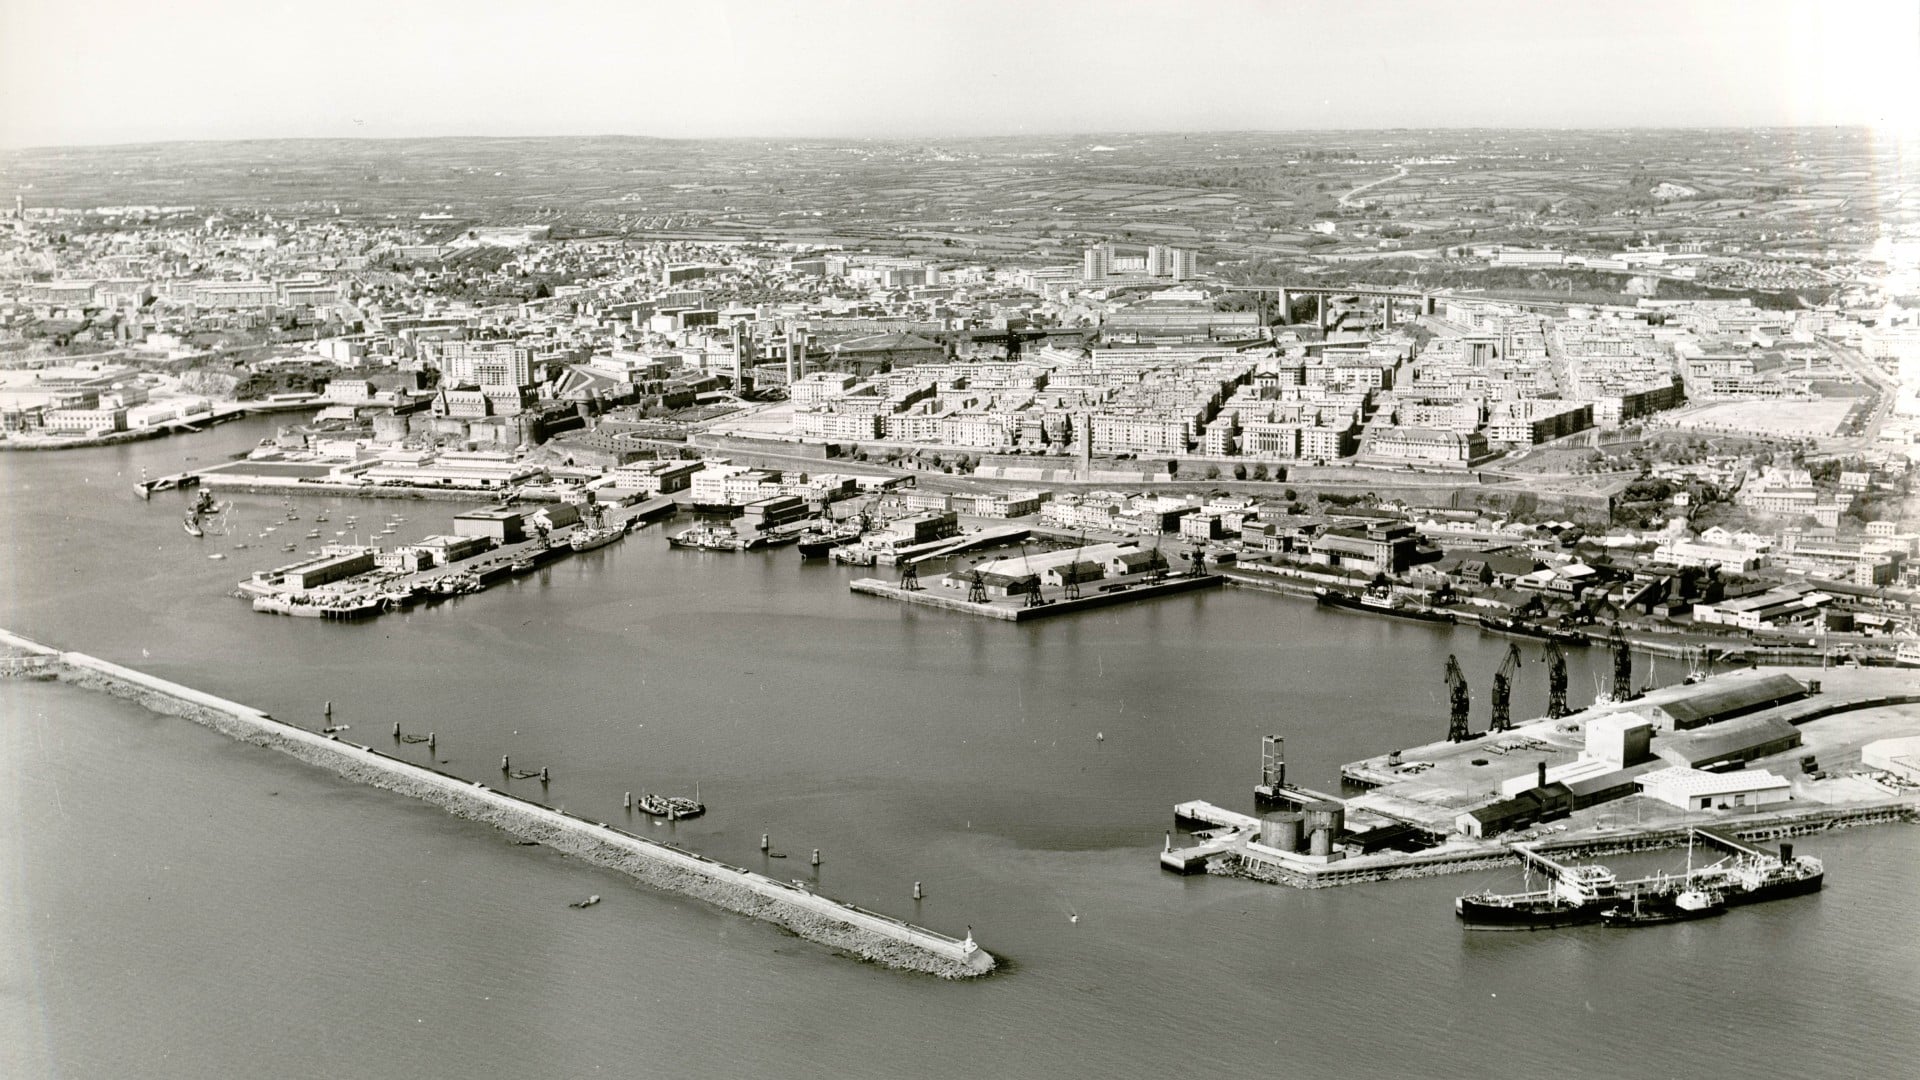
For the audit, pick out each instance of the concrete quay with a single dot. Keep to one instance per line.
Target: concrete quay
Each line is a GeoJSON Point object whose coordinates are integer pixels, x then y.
{"type": "Point", "coordinates": [1015, 610]}
{"type": "Point", "coordinates": [1409, 820]}
{"type": "Point", "coordinates": [869, 935]}
{"type": "Point", "coordinates": [360, 596]}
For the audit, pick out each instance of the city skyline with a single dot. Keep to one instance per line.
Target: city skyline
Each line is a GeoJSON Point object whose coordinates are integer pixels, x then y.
{"type": "Point", "coordinates": [752, 70]}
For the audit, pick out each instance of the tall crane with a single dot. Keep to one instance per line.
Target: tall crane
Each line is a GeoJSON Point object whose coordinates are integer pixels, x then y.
{"type": "Point", "coordinates": [1503, 689]}
{"type": "Point", "coordinates": [1622, 664]}
{"type": "Point", "coordinates": [1461, 699]}
{"type": "Point", "coordinates": [1556, 681]}
{"type": "Point", "coordinates": [1072, 576]}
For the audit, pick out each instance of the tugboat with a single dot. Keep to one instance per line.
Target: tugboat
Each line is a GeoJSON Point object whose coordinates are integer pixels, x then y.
{"type": "Point", "coordinates": [1682, 906]}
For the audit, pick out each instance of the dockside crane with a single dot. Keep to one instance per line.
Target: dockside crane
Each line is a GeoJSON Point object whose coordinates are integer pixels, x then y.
{"type": "Point", "coordinates": [1622, 664]}
{"type": "Point", "coordinates": [1556, 681]}
{"type": "Point", "coordinates": [1503, 689]}
{"type": "Point", "coordinates": [1461, 700]}
{"type": "Point", "coordinates": [976, 587]}
{"type": "Point", "coordinates": [910, 575]}
{"type": "Point", "coordinates": [1072, 576]}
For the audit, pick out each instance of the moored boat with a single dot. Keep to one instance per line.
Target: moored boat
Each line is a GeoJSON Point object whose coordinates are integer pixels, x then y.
{"type": "Point", "coordinates": [1654, 909]}
{"type": "Point", "coordinates": [1378, 602]}
{"type": "Point", "coordinates": [671, 807]}
{"type": "Point", "coordinates": [1522, 628]}
{"type": "Point", "coordinates": [1576, 897]}
{"type": "Point", "coordinates": [588, 537]}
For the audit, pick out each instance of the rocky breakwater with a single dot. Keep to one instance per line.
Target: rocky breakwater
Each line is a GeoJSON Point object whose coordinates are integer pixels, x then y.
{"type": "Point", "coordinates": [870, 936]}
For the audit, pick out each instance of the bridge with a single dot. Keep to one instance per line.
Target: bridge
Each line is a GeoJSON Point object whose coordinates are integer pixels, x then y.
{"type": "Point", "coordinates": [1389, 294]}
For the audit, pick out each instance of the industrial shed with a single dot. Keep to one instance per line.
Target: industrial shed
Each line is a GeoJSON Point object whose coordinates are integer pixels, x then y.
{"type": "Point", "coordinates": [1733, 742]}
{"type": "Point", "coordinates": [1726, 702]}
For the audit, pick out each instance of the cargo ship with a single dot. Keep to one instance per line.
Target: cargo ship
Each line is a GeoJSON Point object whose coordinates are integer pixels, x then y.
{"type": "Point", "coordinates": [1582, 895]}
{"type": "Point", "coordinates": [1522, 628]}
{"type": "Point", "coordinates": [1379, 602]}
{"type": "Point", "coordinates": [1756, 879]}
{"type": "Point", "coordinates": [1576, 898]}
{"type": "Point", "coordinates": [818, 543]}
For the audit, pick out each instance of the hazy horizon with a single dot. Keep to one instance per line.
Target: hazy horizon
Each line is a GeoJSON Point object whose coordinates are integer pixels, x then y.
{"type": "Point", "coordinates": [110, 72]}
{"type": "Point", "coordinates": [929, 136]}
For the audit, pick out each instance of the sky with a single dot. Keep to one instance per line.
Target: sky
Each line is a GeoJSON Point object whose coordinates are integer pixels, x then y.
{"type": "Point", "coordinates": [115, 71]}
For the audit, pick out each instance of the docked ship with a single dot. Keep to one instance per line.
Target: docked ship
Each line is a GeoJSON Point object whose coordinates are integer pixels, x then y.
{"type": "Point", "coordinates": [818, 543]}
{"type": "Point", "coordinates": [1657, 908]}
{"type": "Point", "coordinates": [1753, 879]}
{"type": "Point", "coordinates": [1577, 896]}
{"type": "Point", "coordinates": [1379, 601]}
{"type": "Point", "coordinates": [1581, 895]}
{"type": "Point", "coordinates": [1523, 628]}
{"type": "Point", "coordinates": [588, 537]}
{"type": "Point", "coordinates": [704, 537]}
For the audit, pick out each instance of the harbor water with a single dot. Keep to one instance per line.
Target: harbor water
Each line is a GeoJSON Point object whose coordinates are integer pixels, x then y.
{"type": "Point", "coordinates": [180, 905]}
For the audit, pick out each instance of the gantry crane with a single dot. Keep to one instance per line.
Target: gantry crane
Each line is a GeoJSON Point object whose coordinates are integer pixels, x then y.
{"type": "Point", "coordinates": [1622, 664]}
{"type": "Point", "coordinates": [1461, 699]}
{"type": "Point", "coordinates": [1503, 689]}
{"type": "Point", "coordinates": [1556, 681]}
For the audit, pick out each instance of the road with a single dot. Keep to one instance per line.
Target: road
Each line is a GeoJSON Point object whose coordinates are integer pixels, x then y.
{"type": "Point", "coordinates": [1346, 201]}
{"type": "Point", "coordinates": [1888, 387]}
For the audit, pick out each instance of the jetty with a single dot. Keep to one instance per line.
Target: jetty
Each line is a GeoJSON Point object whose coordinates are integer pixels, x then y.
{"type": "Point", "coordinates": [1017, 609]}
{"type": "Point", "coordinates": [869, 935]}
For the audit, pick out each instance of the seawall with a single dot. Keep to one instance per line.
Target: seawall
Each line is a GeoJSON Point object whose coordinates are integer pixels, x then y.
{"type": "Point", "coordinates": [871, 936]}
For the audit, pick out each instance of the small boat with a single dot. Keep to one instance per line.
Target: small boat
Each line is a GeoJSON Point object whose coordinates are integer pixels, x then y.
{"type": "Point", "coordinates": [587, 903]}
{"type": "Point", "coordinates": [673, 808]}
{"type": "Point", "coordinates": [290, 547]}
{"type": "Point", "coordinates": [314, 535]}
{"type": "Point", "coordinates": [192, 524]}
{"type": "Point", "coordinates": [218, 555]}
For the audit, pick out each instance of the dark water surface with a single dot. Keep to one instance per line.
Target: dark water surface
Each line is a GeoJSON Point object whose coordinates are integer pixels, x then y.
{"type": "Point", "coordinates": [180, 905]}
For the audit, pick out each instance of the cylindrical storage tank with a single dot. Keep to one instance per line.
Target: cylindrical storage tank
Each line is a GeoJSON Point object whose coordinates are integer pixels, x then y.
{"type": "Point", "coordinates": [1321, 843]}
{"type": "Point", "coordinates": [1282, 831]}
{"type": "Point", "coordinates": [1326, 815]}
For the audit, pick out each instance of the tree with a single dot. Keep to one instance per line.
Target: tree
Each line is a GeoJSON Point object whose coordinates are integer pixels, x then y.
{"type": "Point", "coordinates": [1259, 472]}
{"type": "Point", "coordinates": [1213, 472]}
{"type": "Point", "coordinates": [1239, 472]}
{"type": "Point", "coordinates": [1173, 468]}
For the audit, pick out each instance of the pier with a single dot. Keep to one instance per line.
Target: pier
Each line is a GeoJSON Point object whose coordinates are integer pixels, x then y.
{"type": "Point", "coordinates": [375, 592]}
{"type": "Point", "coordinates": [1016, 609]}
{"type": "Point", "coordinates": [870, 935]}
